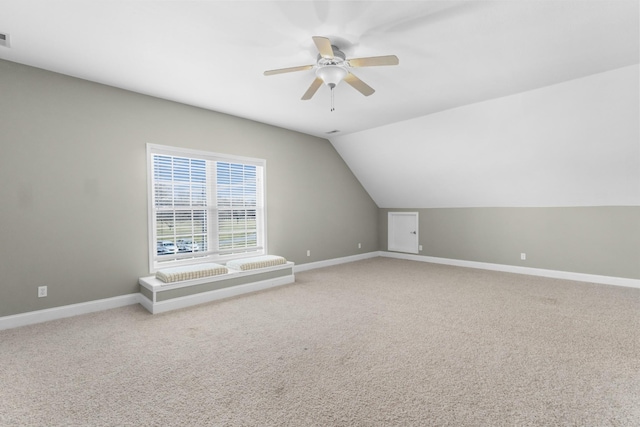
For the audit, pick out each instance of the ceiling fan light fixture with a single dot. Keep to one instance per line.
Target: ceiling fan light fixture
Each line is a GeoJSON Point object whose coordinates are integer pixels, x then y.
{"type": "Point", "coordinates": [332, 67]}
{"type": "Point", "coordinates": [331, 75]}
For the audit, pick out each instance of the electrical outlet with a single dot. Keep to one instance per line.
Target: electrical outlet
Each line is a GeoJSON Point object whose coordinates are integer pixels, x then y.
{"type": "Point", "coordinates": [359, 245]}
{"type": "Point", "coordinates": [308, 252]}
{"type": "Point", "coordinates": [42, 291]}
{"type": "Point", "coordinates": [419, 247]}
{"type": "Point", "coordinates": [523, 256]}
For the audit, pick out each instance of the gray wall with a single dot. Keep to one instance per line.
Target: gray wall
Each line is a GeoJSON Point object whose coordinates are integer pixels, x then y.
{"type": "Point", "coordinates": [74, 193]}
{"type": "Point", "coordinates": [592, 240]}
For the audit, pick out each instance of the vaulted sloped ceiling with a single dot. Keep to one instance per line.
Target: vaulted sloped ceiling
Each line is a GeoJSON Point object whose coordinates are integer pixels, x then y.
{"type": "Point", "coordinates": [572, 144]}
{"type": "Point", "coordinates": [494, 103]}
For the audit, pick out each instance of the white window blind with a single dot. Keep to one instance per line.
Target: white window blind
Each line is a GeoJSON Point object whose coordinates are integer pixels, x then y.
{"type": "Point", "coordinates": [204, 206]}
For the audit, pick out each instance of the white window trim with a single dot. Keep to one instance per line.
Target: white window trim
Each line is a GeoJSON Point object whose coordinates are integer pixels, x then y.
{"type": "Point", "coordinates": [206, 155]}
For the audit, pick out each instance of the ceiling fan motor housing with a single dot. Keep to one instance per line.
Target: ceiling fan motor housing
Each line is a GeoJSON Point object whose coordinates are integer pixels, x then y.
{"type": "Point", "coordinates": [332, 70]}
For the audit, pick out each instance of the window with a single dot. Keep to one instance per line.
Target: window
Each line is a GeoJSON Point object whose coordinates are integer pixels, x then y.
{"type": "Point", "coordinates": [204, 206]}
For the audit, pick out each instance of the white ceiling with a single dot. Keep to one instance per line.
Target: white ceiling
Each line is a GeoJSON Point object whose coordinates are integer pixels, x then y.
{"type": "Point", "coordinates": [211, 54]}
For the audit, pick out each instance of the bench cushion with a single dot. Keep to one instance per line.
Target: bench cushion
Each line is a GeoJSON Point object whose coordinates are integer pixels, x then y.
{"type": "Point", "coordinates": [187, 272]}
{"type": "Point", "coordinates": [256, 262]}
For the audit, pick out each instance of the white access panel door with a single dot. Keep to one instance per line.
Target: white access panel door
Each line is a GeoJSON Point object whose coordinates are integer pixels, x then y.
{"type": "Point", "coordinates": [403, 232]}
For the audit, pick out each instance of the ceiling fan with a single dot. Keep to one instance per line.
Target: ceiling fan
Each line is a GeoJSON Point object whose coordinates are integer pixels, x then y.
{"type": "Point", "coordinates": [332, 67]}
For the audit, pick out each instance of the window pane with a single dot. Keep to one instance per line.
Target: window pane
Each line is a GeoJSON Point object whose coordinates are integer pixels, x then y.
{"type": "Point", "coordinates": [162, 168]}
{"type": "Point", "coordinates": [225, 222]}
{"type": "Point", "coordinates": [225, 241]}
{"type": "Point", "coordinates": [198, 171]}
{"type": "Point", "coordinates": [240, 240]}
{"type": "Point", "coordinates": [199, 194]}
{"type": "Point", "coordinates": [164, 224]}
{"type": "Point", "coordinates": [252, 239]}
{"type": "Point", "coordinates": [181, 169]}
{"type": "Point", "coordinates": [239, 219]}
{"type": "Point", "coordinates": [163, 194]}
{"type": "Point", "coordinates": [237, 199]}
{"type": "Point", "coordinates": [184, 224]}
{"type": "Point", "coordinates": [224, 196]}
{"type": "Point", "coordinates": [202, 242]}
{"type": "Point", "coordinates": [200, 222]}
{"type": "Point", "coordinates": [223, 173]}
{"type": "Point", "coordinates": [182, 195]}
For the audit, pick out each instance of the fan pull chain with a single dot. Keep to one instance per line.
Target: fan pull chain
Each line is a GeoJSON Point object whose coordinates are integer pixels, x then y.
{"type": "Point", "coordinates": [332, 107]}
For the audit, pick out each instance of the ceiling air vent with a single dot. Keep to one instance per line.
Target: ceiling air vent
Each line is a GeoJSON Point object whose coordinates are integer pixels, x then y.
{"type": "Point", "coordinates": [4, 39]}
{"type": "Point", "coordinates": [332, 131]}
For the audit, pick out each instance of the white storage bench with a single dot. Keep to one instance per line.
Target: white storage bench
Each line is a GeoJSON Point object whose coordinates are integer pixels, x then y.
{"type": "Point", "coordinates": [180, 287]}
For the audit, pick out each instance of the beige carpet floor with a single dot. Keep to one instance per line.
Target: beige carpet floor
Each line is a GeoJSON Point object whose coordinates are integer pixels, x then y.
{"type": "Point", "coordinates": [380, 342]}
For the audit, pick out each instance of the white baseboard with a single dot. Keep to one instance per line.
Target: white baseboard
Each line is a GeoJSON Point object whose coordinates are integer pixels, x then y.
{"type": "Point", "coordinates": [335, 261]}
{"type": "Point", "coordinates": [555, 274]}
{"type": "Point", "coordinates": [189, 300]}
{"type": "Point", "coordinates": [32, 317]}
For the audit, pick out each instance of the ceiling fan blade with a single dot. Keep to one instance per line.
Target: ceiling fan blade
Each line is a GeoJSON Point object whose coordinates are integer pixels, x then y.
{"type": "Point", "coordinates": [324, 46]}
{"type": "Point", "coordinates": [374, 61]}
{"type": "Point", "coordinates": [288, 70]}
{"type": "Point", "coordinates": [312, 89]}
{"type": "Point", "coordinates": [359, 85]}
